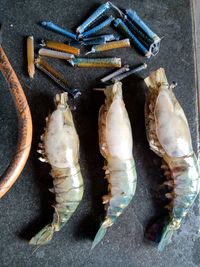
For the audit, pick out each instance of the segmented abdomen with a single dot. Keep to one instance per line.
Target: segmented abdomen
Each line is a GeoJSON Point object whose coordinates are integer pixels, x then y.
{"type": "Point", "coordinates": [122, 178]}
{"type": "Point", "coordinates": [68, 189]}
{"type": "Point", "coordinates": [185, 173]}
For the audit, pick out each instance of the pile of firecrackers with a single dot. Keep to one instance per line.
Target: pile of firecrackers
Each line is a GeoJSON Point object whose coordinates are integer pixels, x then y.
{"type": "Point", "coordinates": [128, 23]}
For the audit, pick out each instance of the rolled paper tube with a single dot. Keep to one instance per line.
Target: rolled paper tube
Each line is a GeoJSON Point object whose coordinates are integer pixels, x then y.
{"type": "Point", "coordinates": [75, 44]}
{"type": "Point", "coordinates": [137, 31]}
{"type": "Point", "coordinates": [95, 41]}
{"type": "Point", "coordinates": [30, 56]}
{"type": "Point", "coordinates": [99, 27]}
{"type": "Point", "coordinates": [128, 73]}
{"type": "Point", "coordinates": [55, 75]}
{"type": "Point", "coordinates": [100, 10]}
{"type": "Point", "coordinates": [107, 37]}
{"type": "Point", "coordinates": [115, 73]}
{"type": "Point", "coordinates": [96, 62]}
{"type": "Point", "coordinates": [155, 44]}
{"type": "Point", "coordinates": [111, 37]}
{"type": "Point", "coordinates": [132, 15]}
{"type": "Point", "coordinates": [54, 54]}
{"type": "Point", "coordinates": [62, 47]}
{"type": "Point", "coordinates": [142, 37]}
{"type": "Point", "coordinates": [111, 45]}
{"type": "Point", "coordinates": [51, 26]}
{"type": "Point", "coordinates": [135, 21]}
{"type": "Point", "coordinates": [133, 39]}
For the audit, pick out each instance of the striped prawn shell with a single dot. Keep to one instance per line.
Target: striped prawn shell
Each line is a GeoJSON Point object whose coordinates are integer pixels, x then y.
{"type": "Point", "coordinates": [115, 141]}
{"type": "Point", "coordinates": [169, 137]}
{"type": "Point", "coordinates": [60, 148]}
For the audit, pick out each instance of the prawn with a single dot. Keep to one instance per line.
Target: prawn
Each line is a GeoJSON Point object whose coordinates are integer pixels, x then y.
{"type": "Point", "coordinates": [169, 137]}
{"type": "Point", "coordinates": [60, 148]}
{"type": "Point", "coordinates": [115, 142]}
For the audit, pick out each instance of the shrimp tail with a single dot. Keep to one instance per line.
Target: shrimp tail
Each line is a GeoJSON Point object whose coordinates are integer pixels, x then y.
{"type": "Point", "coordinates": [44, 236]}
{"type": "Point", "coordinates": [166, 237]}
{"type": "Point", "coordinates": [99, 235]}
{"type": "Point", "coordinates": [160, 231]}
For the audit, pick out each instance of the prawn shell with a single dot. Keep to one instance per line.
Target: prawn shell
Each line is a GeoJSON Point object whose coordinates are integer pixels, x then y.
{"type": "Point", "coordinates": [61, 141]}
{"type": "Point", "coordinates": [171, 125]}
{"type": "Point", "coordinates": [118, 129]}
{"type": "Point", "coordinates": [116, 146]}
{"type": "Point", "coordinates": [60, 148]}
{"type": "Point", "coordinates": [169, 137]}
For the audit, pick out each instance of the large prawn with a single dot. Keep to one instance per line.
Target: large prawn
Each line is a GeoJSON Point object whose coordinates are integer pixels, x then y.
{"type": "Point", "coordinates": [169, 137]}
{"type": "Point", "coordinates": [115, 141]}
{"type": "Point", "coordinates": [60, 148]}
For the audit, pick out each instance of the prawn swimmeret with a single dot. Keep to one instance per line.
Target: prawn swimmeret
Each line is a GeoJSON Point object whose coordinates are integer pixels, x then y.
{"type": "Point", "coordinates": [115, 141]}
{"type": "Point", "coordinates": [60, 148]}
{"type": "Point", "coordinates": [169, 137]}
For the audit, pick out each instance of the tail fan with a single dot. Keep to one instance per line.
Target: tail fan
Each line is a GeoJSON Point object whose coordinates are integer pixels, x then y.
{"type": "Point", "coordinates": [99, 235]}
{"type": "Point", "coordinates": [43, 237]}
{"type": "Point", "coordinates": [166, 237]}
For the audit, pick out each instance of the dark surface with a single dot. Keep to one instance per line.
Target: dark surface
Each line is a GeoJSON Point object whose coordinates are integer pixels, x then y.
{"type": "Point", "coordinates": [27, 207]}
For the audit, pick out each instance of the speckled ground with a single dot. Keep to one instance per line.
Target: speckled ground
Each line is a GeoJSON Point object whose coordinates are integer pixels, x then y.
{"type": "Point", "coordinates": [27, 206]}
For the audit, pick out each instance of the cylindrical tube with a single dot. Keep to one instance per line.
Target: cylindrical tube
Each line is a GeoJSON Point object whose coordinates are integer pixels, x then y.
{"type": "Point", "coordinates": [100, 10]}
{"type": "Point", "coordinates": [51, 26]}
{"type": "Point", "coordinates": [30, 56]}
{"type": "Point", "coordinates": [125, 68]}
{"type": "Point", "coordinates": [97, 28]}
{"type": "Point", "coordinates": [140, 23]}
{"type": "Point", "coordinates": [111, 45]}
{"type": "Point", "coordinates": [122, 26]}
{"type": "Point", "coordinates": [128, 73]}
{"type": "Point", "coordinates": [107, 37]}
{"type": "Point", "coordinates": [54, 54]}
{"type": "Point", "coordinates": [94, 41]}
{"type": "Point", "coordinates": [63, 47]}
{"type": "Point", "coordinates": [136, 20]}
{"type": "Point", "coordinates": [55, 75]}
{"type": "Point", "coordinates": [96, 62]}
{"type": "Point", "coordinates": [142, 37]}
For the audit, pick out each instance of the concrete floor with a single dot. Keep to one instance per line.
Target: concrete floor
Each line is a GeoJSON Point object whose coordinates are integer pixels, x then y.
{"type": "Point", "coordinates": [198, 37]}
{"type": "Point", "coordinates": [197, 33]}
{"type": "Point", "coordinates": [196, 11]}
{"type": "Point", "coordinates": [27, 207]}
